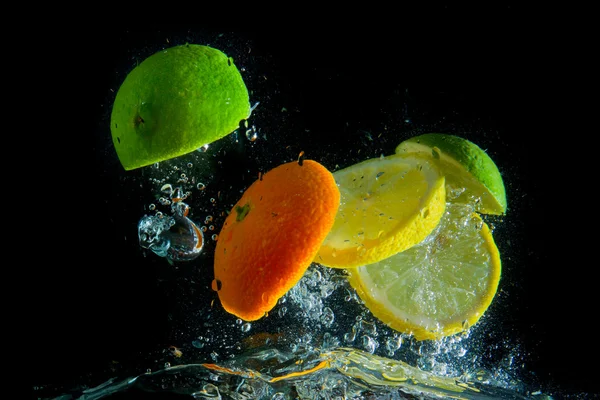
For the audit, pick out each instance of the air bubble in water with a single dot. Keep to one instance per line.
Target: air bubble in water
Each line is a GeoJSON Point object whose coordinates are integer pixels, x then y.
{"type": "Point", "coordinates": [167, 365]}
{"type": "Point", "coordinates": [392, 344]}
{"type": "Point", "coordinates": [203, 149]}
{"type": "Point", "coordinates": [200, 186]}
{"type": "Point", "coordinates": [152, 207]}
{"type": "Point", "coordinates": [246, 326]}
{"type": "Point", "coordinates": [215, 237]}
{"type": "Point", "coordinates": [349, 337]}
{"type": "Point", "coordinates": [197, 344]}
{"type": "Point", "coordinates": [208, 219]}
{"type": "Point", "coordinates": [209, 391]}
{"type": "Point", "coordinates": [369, 344]}
{"type": "Point", "coordinates": [327, 317]}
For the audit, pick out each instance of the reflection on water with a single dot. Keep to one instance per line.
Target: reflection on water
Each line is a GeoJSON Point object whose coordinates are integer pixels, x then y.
{"type": "Point", "coordinates": [340, 373]}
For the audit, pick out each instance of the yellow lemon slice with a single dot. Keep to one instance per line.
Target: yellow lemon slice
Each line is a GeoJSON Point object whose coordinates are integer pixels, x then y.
{"type": "Point", "coordinates": [387, 205]}
{"type": "Point", "coordinates": [439, 287]}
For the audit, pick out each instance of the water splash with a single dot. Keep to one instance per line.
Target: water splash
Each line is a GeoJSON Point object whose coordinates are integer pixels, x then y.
{"type": "Point", "coordinates": [174, 237]}
{"type": "Point", "coordinates": [338, 373]}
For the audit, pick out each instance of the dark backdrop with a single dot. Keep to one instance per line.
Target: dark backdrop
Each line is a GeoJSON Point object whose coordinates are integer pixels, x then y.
{"type": "Point", "coordinates": [92, 306]}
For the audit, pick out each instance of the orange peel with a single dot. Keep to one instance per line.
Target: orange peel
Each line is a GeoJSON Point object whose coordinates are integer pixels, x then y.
{"type": "Point", "coordinates": [271, 236]}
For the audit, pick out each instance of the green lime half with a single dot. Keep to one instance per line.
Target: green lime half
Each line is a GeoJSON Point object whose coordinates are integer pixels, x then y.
{"type": "Point", "coordinates": [176, 101]}
{"type": "Point", "coordinates": [472, 177]}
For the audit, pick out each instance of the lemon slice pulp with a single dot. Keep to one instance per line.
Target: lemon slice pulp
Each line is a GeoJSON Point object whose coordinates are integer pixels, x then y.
{"type": "Point", "coordinates": [387, 205]}
{"type": "Point", "coordinates": [439, 287]}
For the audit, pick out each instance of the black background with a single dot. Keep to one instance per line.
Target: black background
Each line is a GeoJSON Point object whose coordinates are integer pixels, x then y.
{"type": "Point", "coordinates": [91, 305]}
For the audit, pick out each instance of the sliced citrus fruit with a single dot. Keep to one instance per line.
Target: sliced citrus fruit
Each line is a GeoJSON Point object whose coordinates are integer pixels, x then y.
{"type": "Point", "coordinates": [174, 102]}
{"type": "Point", "coordinates": [471, 175]}
{"type": "Point", "coordinates": [387, 205]}
{"type": "Point", "coordinates": [439, 287]}
{"type": "Point", "coordinates": [272, 235]}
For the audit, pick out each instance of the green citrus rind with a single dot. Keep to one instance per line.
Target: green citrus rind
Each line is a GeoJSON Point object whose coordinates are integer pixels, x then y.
{"type": "Point", "coordinates": [472, 177]}
{"type": "Point", "coordinates": [174, 102]}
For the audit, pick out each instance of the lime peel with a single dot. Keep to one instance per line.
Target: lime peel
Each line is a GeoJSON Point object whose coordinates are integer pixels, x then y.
{"type": "Point", "coordinates": [471, 175]}
{"type": "Point", "coordinates": [174, 102]}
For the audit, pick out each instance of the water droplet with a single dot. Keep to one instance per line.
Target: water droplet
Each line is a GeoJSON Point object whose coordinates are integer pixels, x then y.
{"type": "Point", "coordinates": [349, 337]}
{"type": "Point", "coordinates": [327, 317]}
{"type": "Point", "coordinates": [246, 327]}
{"type": "Point", "coordinates": [392, 344]}
{"type": "Point", "coordinates": [251, 134]}
{"type": "Point", "coordinates": [369, 344]}
{"type": "Point", "coordinates": [167, 365]}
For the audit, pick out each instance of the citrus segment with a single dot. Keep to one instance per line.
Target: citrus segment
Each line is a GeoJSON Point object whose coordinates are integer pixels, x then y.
{"type": "Point", "coordinates": [387, 205]}
{"type": "Point", "coordinates": [439, 287]}
{"type": "Point", "coordinates": [472, 177]}
{"type": "Point", "coordinates": [174, 102]}
{"type": "Point", "coordinates": [272, 235]}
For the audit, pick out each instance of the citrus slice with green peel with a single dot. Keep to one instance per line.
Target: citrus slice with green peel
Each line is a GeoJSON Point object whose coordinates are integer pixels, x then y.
{"type": "Point", "coordinates": [440, 287]}
{"type": "Point", "coordinates": [174, 102]}
{"type": "Point", "coordinates": [272, 235]}
{"type": "Point", "coordinates": [472, 177]}
{"type": "Point", "coordinates": [387, 205]}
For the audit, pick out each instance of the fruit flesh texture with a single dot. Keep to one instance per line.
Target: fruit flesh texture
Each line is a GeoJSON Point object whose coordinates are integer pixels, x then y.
{"type": "Point", "coordinates": [176, 101]}
{"type": "Point", "coordinates": [465, 165]}
{"type": "Point", "coordinates": [388, 205]}
{"type": "Point", "coordinates": [439, 287]}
